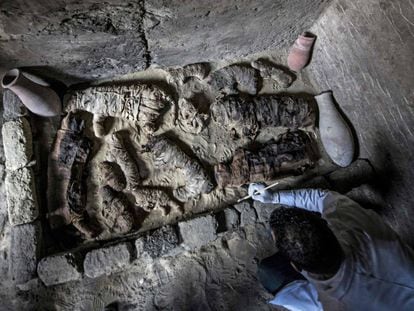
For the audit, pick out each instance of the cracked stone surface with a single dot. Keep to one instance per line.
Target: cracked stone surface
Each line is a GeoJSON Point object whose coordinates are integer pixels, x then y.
{"type": "Point", "coordinates": [13, 107]}
{"type": "Point", "coordinates": [108, 260]}
{"type": "Point", "coordinates": [198, 232]}
{"type": "Point", "coordinates": [83, 40]}
{"type": "Point", "coordinates": [17, 142]}
{"type": "Point", "coordinates": [247, 213]}
{"type": "Point", "coordinates": [25, 253]}
{"type": "Point", "coordinates": [231, 218]}
{"type": "Point", "coordinates": [59, 269]}
{"type": "Point", "coordinates": [209, 30]}
{"type": "Point", "coordinates": [77, 40]}
{"type": "Point", "coordinates": [21, 196]}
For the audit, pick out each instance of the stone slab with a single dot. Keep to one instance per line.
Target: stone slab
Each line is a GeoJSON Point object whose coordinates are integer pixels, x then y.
{"type": "Point", "coordinates": [107, 260]}
{"type": "Point", "coordinates": [21, 196]}
{"type": "Point", "coordinates": [247, 213]}
{"type": "Point", "coordinates": [198, 231]}
{"type": "Point", "coordinates": [17, 142]}
{"type": "Point", "coordinates": [25, 251]}
{"type": "Point", "coordinates": [59, 269]}
{"type": "Point", "coordinates": [264, 210]}
{"type": "Point", "coordinates": [13, 106]}
{"type": "Point", "coordinates": [231, 218]}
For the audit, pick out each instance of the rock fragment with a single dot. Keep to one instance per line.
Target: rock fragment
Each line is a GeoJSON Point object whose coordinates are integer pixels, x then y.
{"type": "Point", "coordinates": [26, 242]}
{"type": "Point", "coordinates": [232, 218]}
{"type": "Point", "coordinates": [59, 269]}
{"type": "Point", "coordinates": [21, 196]}
{"type": "Point", "coordinates": [247, 213]}
{"type": "Point", "coordinates": [198, 231]}
{"type": "Point", "coordinates": [264, 210]}
{"type": "Point", "coordinates": [107, 260]}
{"type": "Point", "coordinates": [13, 106]}
{"type": "Point", "coordinates": [17, 141]}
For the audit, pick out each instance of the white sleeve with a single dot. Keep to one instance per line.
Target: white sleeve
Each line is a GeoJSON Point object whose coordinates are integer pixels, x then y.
{"type": "Point", "coordinates": [309, 199]}
{"type": "Point", "coordinates": [298, 296]}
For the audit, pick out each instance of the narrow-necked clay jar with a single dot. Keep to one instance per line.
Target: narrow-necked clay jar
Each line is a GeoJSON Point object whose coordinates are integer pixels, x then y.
{"type": "Point", "coordinates": [336, 135]}
{"type": "Point", "coordinates": [38, 98]}
{"type": "Point", "coordinates": [300, 52]}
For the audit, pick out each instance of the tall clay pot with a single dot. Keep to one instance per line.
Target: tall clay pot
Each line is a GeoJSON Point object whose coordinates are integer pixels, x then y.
{"type": "Point", "coordinates": [38, 98]}
{"type": "Point", "coordinates": [336, 135]}
{"type": "Point", "coordinates": [300, 52]}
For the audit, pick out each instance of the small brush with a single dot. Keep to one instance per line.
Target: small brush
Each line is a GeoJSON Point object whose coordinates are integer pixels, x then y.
{"type": "Point", "coordinates": [258, 192]}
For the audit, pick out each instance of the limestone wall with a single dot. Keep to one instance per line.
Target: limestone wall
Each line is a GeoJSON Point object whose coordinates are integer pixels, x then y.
{"type": "Point", "coordinates": [364, 53]}
{"type": "Point", "coordinates": [76, 40]}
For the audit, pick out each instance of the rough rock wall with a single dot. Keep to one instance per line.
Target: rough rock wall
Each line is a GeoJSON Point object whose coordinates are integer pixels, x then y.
{"type": "Point", "coordinates": [364, 53]}
{"type": "Point", "coordinates": [73, 39]}
{"type": "Point", "coordinates": [192, 31]}
{"type": "Point", "coordinates": [82, 40]}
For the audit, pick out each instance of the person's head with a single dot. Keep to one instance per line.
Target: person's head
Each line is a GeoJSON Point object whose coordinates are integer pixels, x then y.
{"type": "Point", "coordinates": [306, 240]}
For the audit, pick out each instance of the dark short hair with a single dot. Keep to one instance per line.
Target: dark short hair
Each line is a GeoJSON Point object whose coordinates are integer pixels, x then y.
{"type": "Point", "coordinates": [305, 239]}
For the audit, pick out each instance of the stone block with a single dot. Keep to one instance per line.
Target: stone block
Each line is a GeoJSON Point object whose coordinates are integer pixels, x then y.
{"type": "Point", "coordinates": [198, 231]}
{"type": "Point", "coordinates": [25, 251]}
{"type": "Point", "coordinates": [21, 196]}
{"type": "Point", "coordinates": [264, 210]}
{"type": "Point", "coordinates": [231, 218]}
{"type": "Point", "coordinates": [158, 243]}
{"type": "Point", "coordinates": [107, 260]}
{"type": "Point", "coordinates": [13, 106]}
{"type": "Point", "coordinates": [59, 269]}
{"type": "Point", "coordinates": [17, 142]}
{"type": "Point", "coordinates": [239, 248]}
{"type": "Point", "coordinates": [247, 213]}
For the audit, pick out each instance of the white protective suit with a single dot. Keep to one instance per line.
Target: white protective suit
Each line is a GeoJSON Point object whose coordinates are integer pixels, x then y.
{"type": "Point", "coordinates": [378, 270]}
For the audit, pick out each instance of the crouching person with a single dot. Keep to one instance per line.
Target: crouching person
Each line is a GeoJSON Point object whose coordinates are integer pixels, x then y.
{"type": "Point", "coordinates": [339, 248]}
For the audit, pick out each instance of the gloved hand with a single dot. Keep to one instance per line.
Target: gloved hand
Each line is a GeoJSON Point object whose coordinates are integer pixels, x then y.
{"type": "Point", "coordinates": [266, 196]}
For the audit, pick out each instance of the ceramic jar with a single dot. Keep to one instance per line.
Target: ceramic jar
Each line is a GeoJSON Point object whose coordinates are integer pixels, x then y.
{"type": "Point", "coordinates": [38, 98]}
{"type": "Point", "coordinates": [336, 135]}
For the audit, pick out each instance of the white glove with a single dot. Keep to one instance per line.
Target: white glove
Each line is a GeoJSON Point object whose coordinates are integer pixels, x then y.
{"type": "Point", "coordinates": [264, 196]}
{"type": "Point", "coordinates": [309, 199]}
